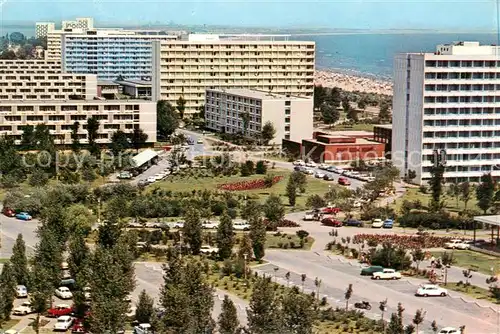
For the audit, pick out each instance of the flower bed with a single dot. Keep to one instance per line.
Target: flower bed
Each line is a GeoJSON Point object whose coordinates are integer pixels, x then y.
{"type": "Point", "coordinates": [248, 185]}
{"type": "Point", "coordinates": [406, 241]}
{"type": "Point", "coordinates": [282, 223]}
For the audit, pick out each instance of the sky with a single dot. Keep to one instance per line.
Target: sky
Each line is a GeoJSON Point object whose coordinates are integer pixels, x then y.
{"type": "Point", "coordinates": [344, 14]}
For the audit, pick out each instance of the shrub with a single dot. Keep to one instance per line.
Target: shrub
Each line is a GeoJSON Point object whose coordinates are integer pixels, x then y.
{"type": "Point", "coordinates": [292, 244]}
{"type": "Point", "coordinates": [285, 246]}
{"type": "Point", "coordinates": [261, 167]}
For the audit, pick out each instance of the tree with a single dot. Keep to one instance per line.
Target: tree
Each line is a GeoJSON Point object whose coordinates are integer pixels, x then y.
{"type": "Point", "coordinates": [119, 142]}
{"type": "Point", "coordinates": [181, 106]}
{"type": "Point", "coordinates": [92, 128]}
{"type": "Point", "coordinates": [225, 237]}
{"type": "Point", "coordinates": [299, 312]}
{"type": "Point", "coordinates": [48, 253]}
{"type": "Point", "coordinates": [485, 192]}
{"type": "Point", "coordinates": [315, 201]}
{"type": "Point", "coordinates": [41, 290]}
{"type": "Point", "coordinates": [383, 307]}
{"type": "Point", "coordinates": [260, 167]}
{"type": "Point", "coordinates": [362, 104]}
{"type": "Point", "coordinates": [329, 113]}
{"type": "Point", "coordinates": [291, 192]}
{"type": "Point", "coordinates": [228, 318]}
{"type": "Point", "coordinates": [192, 230]}
{"type": "Point", "coordinates": [245, 251]}
{"type": "Point", "coordinates": [19, 261]}
{"type": "Point", "coordinates": [245, 119]}
{"type": "Point", "coordinates": [166, 118]}
{"type": "Point", "coordinates": [258, 236]}
{"type": "Point", "coordinates": [384, 113]}
{"type": "Point", "coordinates": [268, 132]}
{"type": "Point", "coordinates": [347, 296]}
{"type": "Point", "coordinates": [418, 256]}
{"type": "Point", "coordinates": [454, 191]}
{"type": "Point", "coordinates": [418, 318]}
{"type": "Point", "coordinates": [75, 140]}
{"type": "Point", "coordinates": [335, 97]}
{"type": "Point", "coordinates": [79, 255]}
{"type": "Point", "coordinates": [43, 139]}
{"type": "Point", "coordinates": [7, 292]}
{"type": "Point", "coordinates": [263, 312]}
{"type": "Point", "coordinates": [436, 185]}
{"type": "Point", "coordinates": [320, 94]}
{"type": "Point", "coordinates": [466, 190]}
{"type": "Point", "coordinates": [352, 114]}
{"type": "Point", "coordinates": [346, 105]}
{"type": "Point", "coordinates": [28, 138]}
{"type": "Point", "coordinates": [299, 180]}
{"type": "Point", "coordinates": [302, 234]}
{"type": "Point", "coordinates": [411, 175]}
{"type": "Point", "coordinates": [138, 139]}
{"type": "Point", "coordinates": [273, 209]}
{"type": "Point", "coordinates": [144, 308]}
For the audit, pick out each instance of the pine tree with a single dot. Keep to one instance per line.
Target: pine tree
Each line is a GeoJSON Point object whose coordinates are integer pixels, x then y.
{"type": "Point", "coordinates": [418, 319]}
{"type": "Point", "coordinates": [298, 312]}
{"type": "Point", "coordinates": [144, 308]}
{"type": "Point", "coordinates": [19, 261]}
{"type": "Point", "coordinates": [192, 230]}
{"type": "Point", "coordinates": [48, 253]}
{"type": "Point", "coordinates": [291, 192]}
{"type": "Point", "coordinates": [225, 237]}
{"type": "Point", "coordinates": [245, 251]}
{"type": "Point", "coordinates": [394, 327]}
{"type": "Point", "coordinates": [7, 291]}
{"type": "Point", "coordinates": [485, 192]}
{"type": "Point", "coordinates": [264, 314]}
{"type": "Point", "coordinates": [273, 209]}
{"type": "Point", "coordinates": [79, 254]}
{"type": "Point", "coordinates": [228, 318]}
{"type": "Point", "coordinates": [258, 236]}
{"type": "Point", "coordinates": [41, 289]}
{"type": "Point", "coordinates": [347, 296]}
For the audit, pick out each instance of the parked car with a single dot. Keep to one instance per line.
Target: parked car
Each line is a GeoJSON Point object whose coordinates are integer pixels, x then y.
{"type": "Point", "coordinates": [21, 291]}
{"type": "Point", "coordinates": [449, 330]}
{"type": "Point", "coordinates": [208, 250]}
{"type": "Point", "coordinates": [457, 244]}
{"type": "Point", "coordinates": [331, 222]}
{"type": "Point", "coordinates": [63, 323]}
{"type": "Point", "coordinates": [339, 171]}
{"type": "Point", "coordinates": [178, 224]}
{"type": "Point", "coordinates": [23, 309]}
{"type": "Point", "coordinates": [151, 179]}
{"type": "Point", "coordinates": [299, 163]}
{"type": "Point", "coordinates": [199, 141]}
{"type": "Point", "coordinates": [210, 225]}
{"type": "Point", "coordinates": [86, 293]}
{"type": "Point", "coordinates": [8, 212]}
{"type": "Point", "coordinates": [319, 175]}
{"type": "Point", "coordinates": [427, 290]}
{"type": "Point", "coordinates": [125, 175]}
{"type": "Point", "coordinates": [388, 223]}
{"type": "Point", "coordinates": [63, 293]}
{"type": "Point", "coordinates": [387, 274]}
{"type": "Point", "coordinates": [377, 223]}
{"type": "Point", "coordinates": [309, 215]}
{"type": "Point", "coordinates": [241, 226]}
{"type": "Point", "coordinates": [78, 327]}
{"type": "Point", "coordinates": [344, 181]}
{"type": "Point", "coordinates": [308, 171]}
{"type": "Point", "coordinates": [311, 164]}
{"type": "Point", "coordinates": [330, 210]}
{"type": "Point", "coordinates": [369, 271]}
{"type": "Point", "coordinates": [142, 329]}
{"type": "Point", "coordinates": [328, 177]}
{"type": "Point", "coordinates": [59, 310]}
{"type": "Point", "coordinates": [323, 166]}
{"type": "Point", "coordinates": [353, 222]}
{"type": "Point", "coordinates": [23, 216]}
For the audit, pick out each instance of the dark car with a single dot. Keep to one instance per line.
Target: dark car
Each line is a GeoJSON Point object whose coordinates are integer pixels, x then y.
{"type": "Point", "coordinates": [368, 271]}
{"type": "Point", "coordinates": [331, 222]}
{"type": "Point", "coordinates": [353, 222]}
{"type": "Point", "coordinates": [328, 177]}
{"type": "Point", "coordinates": [8, 212]}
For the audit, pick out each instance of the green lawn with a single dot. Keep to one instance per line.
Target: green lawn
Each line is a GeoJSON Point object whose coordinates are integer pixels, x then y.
{"type": "Point", "coordinates": [474, 260]}
{"type": "Point", "coordinates": [314, 186]}
{"type": "Point", "coordinates": [473, 291]}
{"type": "Point", "coordinates": [10, 323]}
{"type": "Point", "coordinates": [4, 260]}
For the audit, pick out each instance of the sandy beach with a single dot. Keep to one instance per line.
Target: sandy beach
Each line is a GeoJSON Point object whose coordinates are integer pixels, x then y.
{"type": "Point", "coordinates": [352, 83]}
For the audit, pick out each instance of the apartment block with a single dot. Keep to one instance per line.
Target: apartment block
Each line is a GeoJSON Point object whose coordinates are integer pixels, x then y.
{"type": "Point", "coordinates": [31, 66]}
{"type": "Point", "coordinates": [292, 117]}
{"type": "Point", "coordinates": [110, 54]}
{"type": "Point", "coordinates": [60, 99]}
{"type": "Point", "coordinates": [43, 28]}
{"type": "Point", "coordinates": [85, 23]}
{"type": "Point", "coordinates": [448, 102]}
{"type": "Point", "coordinates": [189, 66]}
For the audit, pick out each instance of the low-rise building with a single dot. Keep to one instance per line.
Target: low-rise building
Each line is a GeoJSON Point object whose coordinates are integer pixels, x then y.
{"type": "Point", "coordinates": [137, 89]}
{"type": "Point", "coordinates": [291, 116]}
{"type": "Point", "coordinates": [383, 134]}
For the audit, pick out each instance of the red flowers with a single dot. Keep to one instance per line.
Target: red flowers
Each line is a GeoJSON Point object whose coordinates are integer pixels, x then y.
{"type": "Point", "coordinates": [248, 185]}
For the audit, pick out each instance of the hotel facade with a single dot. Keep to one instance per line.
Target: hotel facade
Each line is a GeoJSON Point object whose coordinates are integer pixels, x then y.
{"type": "Point", "coordinates": [448, 102]}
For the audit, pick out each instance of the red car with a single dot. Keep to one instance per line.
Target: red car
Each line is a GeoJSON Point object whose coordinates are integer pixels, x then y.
{"type": "Point", "coordinates": [78, 327]}
{"type": "Point", "coordinates": [59, 310]}
{"type": "Point", "coordinates": [330, 210]}
{"type": "Point", "coordinates": [331, 222]}
{"type": "Point", "coordinates": [8, 212]}
{"type": "Point", "coordinates": [344, 182]}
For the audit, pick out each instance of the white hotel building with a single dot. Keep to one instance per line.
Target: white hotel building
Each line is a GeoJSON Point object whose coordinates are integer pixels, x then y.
{"type": "Point", "coordinates": [448, 100]}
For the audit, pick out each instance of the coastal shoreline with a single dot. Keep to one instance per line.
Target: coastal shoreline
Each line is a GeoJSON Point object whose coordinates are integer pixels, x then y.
{"type": "Point", "coordinates": [352, 82]}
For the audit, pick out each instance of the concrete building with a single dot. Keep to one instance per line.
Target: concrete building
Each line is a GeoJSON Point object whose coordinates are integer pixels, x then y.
{"type": "Point", "coordinates": [267, 63]}
{"type": "Point", "coordinates": [110, 54]}
{"type": "Point", "coordinates": [43, 28]}
{"type": "Point", "coordinates": [31, 66]}
{"type": "Point", "coordinates": [59, 100]}
{"type": "Point", "coordinates": [448, 101]}
{"type": "Point", "coordinates": [383, 134]}
{"type": "Point", "coordinates": [292, 117]}
{"type": "Point", "coordinates": [137, 89]}
{"type": "Point", "coordinates": [84, 23]}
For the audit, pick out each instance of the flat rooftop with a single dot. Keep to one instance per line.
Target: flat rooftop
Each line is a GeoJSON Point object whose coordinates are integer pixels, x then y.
{"type": "Point", "coordinates": [106, 83]}
{"type": "Point", "coordinates": [257, 94]}
{"type": "Point", "coordinates": [384, 126]}
{"type": "Point", "coordinates": [359, 141]}
{"type": "Point", "coordinates": [490, 220]}
{"type": "Point", "coordinates": [349, 133]}
{"type": "Point", "coordinates": [134, 83]}
{"type": "Point", "coordinates": [69, 102]}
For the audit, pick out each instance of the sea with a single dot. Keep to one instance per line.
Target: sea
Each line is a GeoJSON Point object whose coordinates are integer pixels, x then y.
{"type": "Point", "coordinates": [363, 54]}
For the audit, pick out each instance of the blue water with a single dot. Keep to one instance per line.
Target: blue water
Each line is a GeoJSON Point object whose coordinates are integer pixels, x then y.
{"type": "Point", "coordinates": [364, 54]}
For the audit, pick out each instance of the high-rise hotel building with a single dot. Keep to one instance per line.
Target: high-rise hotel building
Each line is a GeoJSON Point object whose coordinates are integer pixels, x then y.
{"type": "Point", "coordinates": [448, 101]}
{"type": "Point", "coordinates": [189, 66]}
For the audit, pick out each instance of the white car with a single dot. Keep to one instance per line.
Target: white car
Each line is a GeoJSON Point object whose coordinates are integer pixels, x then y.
{"type": "Point", "coordinates": [210, 225]}
{"type": "Point", "coordinates": [309, 215]}
{"type": "Point", "coordinates": [64, 265]}
{"type": "Point", "coordinates": [299, 163]}
{"type": "Point", "coordinates": [151, 179]}
{"type": "Point", "coordinates": [323, 166]}
{"type": "Point", "coordinates": [457, 243]}
{"type": "Point", "coordinates": [309, 171]}
{"type": "Point", "coordinates": [63, 323]}
{"type": "Point", "coordinates": [427, 290]}
{"type": "Point", "coordinates": [377, 223]}
{"type": "Point", "coordinates": [86, 293]}
{"type": "Point", "coordinates": [63, 293]}
{"type": "Point", "coordinates": [21, 291]}
{"type": "Point", "coordinates": [160, 176]}
{"type": "Point", "coordinates": [11, 331]}
{"type": "Point", "coordinates": [319, 175]}
{"type": "Point", "coordinates": [339, 171]}
{"type": "Point", "coordinates": [175, 224]}
{"type": "Point", "coordinates": [370, 178]}
{"type": "Point", "coordinates": [241, 226]}
{"type": "Point", "coordinates": [208, 250]}
{"type": "Point", "coordinates": [311, 164]}
{"type": "Point", "coordinates": [387, 274]}
{"type": "Point", "coordinates": [23, 309]}
{"type": "Point", "coordinates": [449, 330]}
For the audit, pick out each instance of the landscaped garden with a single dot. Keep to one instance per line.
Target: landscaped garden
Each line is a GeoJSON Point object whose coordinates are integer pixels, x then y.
{"type": "Point", "coordinates": [474, 260]}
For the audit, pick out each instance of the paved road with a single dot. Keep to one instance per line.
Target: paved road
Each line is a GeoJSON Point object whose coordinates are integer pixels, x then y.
{"type": "Point", "coordinates": [10, 228]}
